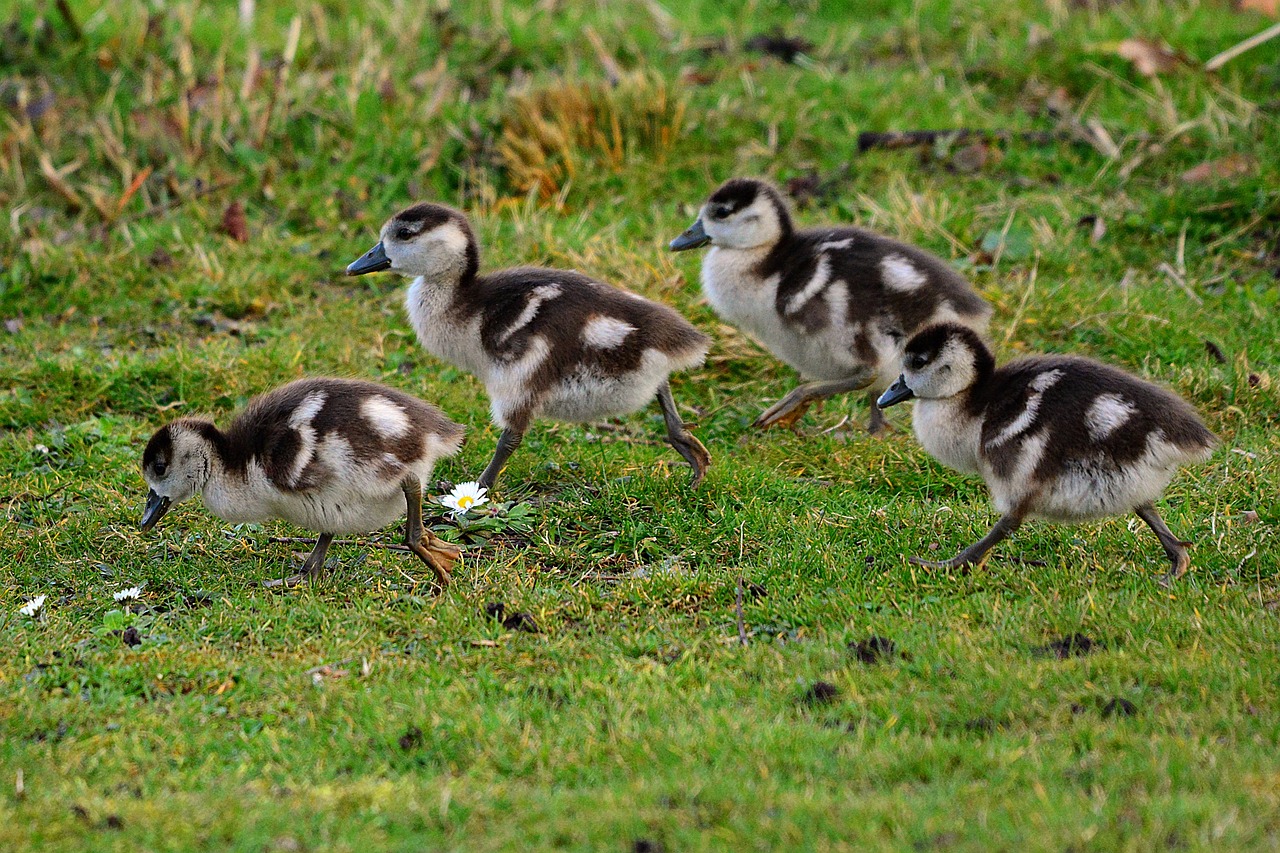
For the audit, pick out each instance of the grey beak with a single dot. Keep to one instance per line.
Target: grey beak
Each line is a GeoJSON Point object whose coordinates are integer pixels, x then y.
{"type": "Point", "coordinates": [157, 506]}
{"type": "Point", "coordinates": [896, 393]}
{"type": "Point", "coordinates": [694, 237]}
{"type": "Point", "coordinates": [373, 260]}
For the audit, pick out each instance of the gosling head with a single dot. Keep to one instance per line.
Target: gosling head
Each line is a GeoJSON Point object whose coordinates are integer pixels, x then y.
{"type": "Point", "coordinates": [428, 240]}
{"type": "Point", "coordinates": [744, 213]}
{"type": "Point", "coordinates": [941, 361]}
{"type": "Point", "coordinates": [175, 466]}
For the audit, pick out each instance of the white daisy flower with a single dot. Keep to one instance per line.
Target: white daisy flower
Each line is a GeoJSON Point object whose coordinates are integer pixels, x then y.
{"type": "Point", "coordinates": [464, 498]}
{"type": "Point", "coordinates": [32, 607]}
{"type": "Point", "coordinates": [127, 594]}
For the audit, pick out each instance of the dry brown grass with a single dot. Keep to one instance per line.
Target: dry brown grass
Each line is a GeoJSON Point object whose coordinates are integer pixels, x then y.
{"type": "Point", "coordinates": [551, 134]}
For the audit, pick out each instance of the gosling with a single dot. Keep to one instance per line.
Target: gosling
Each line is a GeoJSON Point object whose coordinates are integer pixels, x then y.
{"type": "Point", "coordinates": [545, 342]}
{"type": "Point", "coordinates": [836, 304]}
{"type": "Point", "coordinates": [1059, 437]}
{"type": "Point", "coordinates": [330, 455]}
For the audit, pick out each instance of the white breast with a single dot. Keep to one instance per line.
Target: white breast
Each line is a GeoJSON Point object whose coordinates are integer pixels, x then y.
{"type": "Point", "coordinates": [948, 434]}
{"type": "Point", "coordinates": [439, 330]}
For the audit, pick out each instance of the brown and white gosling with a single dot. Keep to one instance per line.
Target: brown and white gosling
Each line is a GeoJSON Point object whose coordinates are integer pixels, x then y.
{"type": "Point", "coordinates": [836, 304]}
{"type": "Point", "coordinates": [330, 455]}
{"type": "Point", "coordinates": [545, 342]}
{"type": "Point", "coordinates": [1059, 437]}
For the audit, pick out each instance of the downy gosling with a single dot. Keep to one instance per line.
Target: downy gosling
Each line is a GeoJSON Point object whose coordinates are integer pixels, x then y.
{"type": "Point", "coordinates": [836, 304]}
{"type": "Point", "coordinates": [545, 342]}
{"type": "Point", "coordinates": [329, 455]}
{"type": "Point", "coordinates": [1059, 437]}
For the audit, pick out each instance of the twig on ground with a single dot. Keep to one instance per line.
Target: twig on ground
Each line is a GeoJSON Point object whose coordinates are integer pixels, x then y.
{"type": "Point", "coordinates": [56, 179]}
{"type": "Point", "coordinates": [1177, 278]}
{"type": "Point", "coordinates": [912, 138]}
{"type": "Point", "coordinates": [607, 62]}
{"type": "Point", "coordinates": [1248, 44]}
{"type": "Point", "coordinates": [742, 631]}
{"type": "Point", "coordinates": [329, 666]}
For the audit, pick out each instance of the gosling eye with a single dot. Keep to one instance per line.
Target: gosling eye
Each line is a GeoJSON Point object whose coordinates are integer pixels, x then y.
{"type": "Point", "coordinates": [159, 467]}
{"type": "Point", "coordinates": [404, 233]}
{"type": "Point", "coordinates": [719, 211]}
{"type": "Point", "coordinates": [917, 361]}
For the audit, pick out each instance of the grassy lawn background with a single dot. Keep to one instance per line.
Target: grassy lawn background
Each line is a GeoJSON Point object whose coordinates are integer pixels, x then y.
{"type": "Point", "coordinates": [634, 719]}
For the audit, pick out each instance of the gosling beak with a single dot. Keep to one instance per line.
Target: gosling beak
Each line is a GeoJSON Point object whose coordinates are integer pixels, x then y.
{"type": "Point", "coordinates": [157, 506]}
{"type": "Point", "coordinates": [694, 237]}
{"type": "Point", "coordinates": [373, 260]}
{"type": "Point", "coordinates": [896, 393]}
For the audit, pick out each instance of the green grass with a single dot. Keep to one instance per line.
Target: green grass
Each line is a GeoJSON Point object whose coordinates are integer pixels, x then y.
{"type": "Point", "coordinates": [635, 715]}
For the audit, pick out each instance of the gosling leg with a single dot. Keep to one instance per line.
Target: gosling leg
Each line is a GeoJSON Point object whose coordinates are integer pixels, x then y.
{"type": "Point", "coordinates": [311, 568]}
{"type": "Point", "coordinates": [438, 554]}
{"type": "Point", "coordinates": [685, 443]}
{"type": "Point", "coordinates": [507, 444]}
{"type": "Point", "coordinates": [792, 407]}
{"type": "Point", "coordinates": [1175, 548]}
{"type": "Point", "coordinates": [976, 554]}
{"type": "Point", "coordinates": [876, 424]}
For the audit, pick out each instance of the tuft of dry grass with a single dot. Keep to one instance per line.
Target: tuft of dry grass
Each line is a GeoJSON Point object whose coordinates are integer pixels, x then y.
{"type": "Point", "coordinates": [553, 133]}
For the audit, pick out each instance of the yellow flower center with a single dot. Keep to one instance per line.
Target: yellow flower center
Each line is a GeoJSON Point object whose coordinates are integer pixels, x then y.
{"type": "Point", "coordinates": [465, 502]}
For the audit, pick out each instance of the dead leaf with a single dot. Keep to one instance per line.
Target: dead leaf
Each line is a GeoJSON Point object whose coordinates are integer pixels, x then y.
{"type": "Point", "coordinates": [1231, 166]}
{"type": "Point", "coordinates": [972, 158]}
{"type": "Point", "coordinates": [320, 673]}
{"type": "Point", "coordinates": [1148, 57]}
{"type": "Point", "coordinates": [1266, 7]}
{"type": "Point", "coordinates": [234, 224]}
{"type": "Point", "coordinates": [160, 259]}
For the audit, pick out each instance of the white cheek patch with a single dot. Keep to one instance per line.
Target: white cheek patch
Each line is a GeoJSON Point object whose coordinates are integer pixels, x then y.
{"type": "Point", "coordinates": [606, 332]}
{"type": "Point", "coordinates": [452, 237]}
{"type": "Point", "coordinates": [1106, 414]}
{"type": "Point", "coordinates": [540, 294]}
{"type": "Point", "coordinates": [386, 418]}
{"type": "Point", "coordinates": [821, 276]}
{"type": "Point", "coordinates": [1043, 382]}
{"type": "Point", "coordinates": [755, 225]}
{"type": "Point", "coordinates": [898, 273]}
